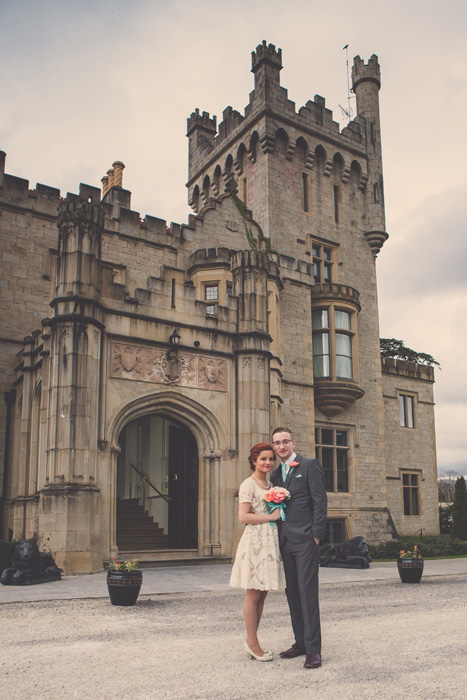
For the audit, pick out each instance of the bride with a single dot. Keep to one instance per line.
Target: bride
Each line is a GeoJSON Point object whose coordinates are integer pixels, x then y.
{"type": "Point", "coordinates": [258, 564]}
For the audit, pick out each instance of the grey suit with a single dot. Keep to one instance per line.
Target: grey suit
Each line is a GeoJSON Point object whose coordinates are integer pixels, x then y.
{"type": "Point", "coordinates": [305, 519]}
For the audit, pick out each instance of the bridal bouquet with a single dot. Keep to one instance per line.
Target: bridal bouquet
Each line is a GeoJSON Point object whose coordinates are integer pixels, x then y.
{"type": "Point", "coordinates": [275, 498]}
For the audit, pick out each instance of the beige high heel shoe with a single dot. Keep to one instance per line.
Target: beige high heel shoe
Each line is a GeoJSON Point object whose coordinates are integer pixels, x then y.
{"type": "Point", "coordinates": [266, 657]}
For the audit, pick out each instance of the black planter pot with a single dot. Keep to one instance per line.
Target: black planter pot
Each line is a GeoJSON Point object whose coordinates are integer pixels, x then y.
{"type": "Point", "coordinates": [410, 570]}
{"type": "Point", "coordinates": [124, 586]}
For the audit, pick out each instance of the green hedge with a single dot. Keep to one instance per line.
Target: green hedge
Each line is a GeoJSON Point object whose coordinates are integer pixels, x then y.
{"type": "Point", "coordinates": [6, 554]}
{"type": "Point", "coordinates": [430, 546]}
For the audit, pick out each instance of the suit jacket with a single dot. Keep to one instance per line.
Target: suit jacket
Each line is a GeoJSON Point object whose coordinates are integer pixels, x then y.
{"type": "Point", "coordinates": [306, 511]}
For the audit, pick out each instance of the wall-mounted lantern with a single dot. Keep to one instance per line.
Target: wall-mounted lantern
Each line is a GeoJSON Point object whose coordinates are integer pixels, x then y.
{"type": "Point", "coordinates": [174, 339]}
{"type": "Point", "coordinates": [172, 357]}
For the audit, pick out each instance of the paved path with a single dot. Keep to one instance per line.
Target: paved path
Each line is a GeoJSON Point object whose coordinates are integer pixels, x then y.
{"type": "Point", "coordinates": [210, 577]}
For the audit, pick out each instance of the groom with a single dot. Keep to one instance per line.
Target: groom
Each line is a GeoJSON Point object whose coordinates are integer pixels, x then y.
{"type": "Point", "coordinates": [299, 537]}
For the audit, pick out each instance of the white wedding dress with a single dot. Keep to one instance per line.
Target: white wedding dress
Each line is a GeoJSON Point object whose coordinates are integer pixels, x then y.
{"type": "Point", "coordinates": [258, 563]}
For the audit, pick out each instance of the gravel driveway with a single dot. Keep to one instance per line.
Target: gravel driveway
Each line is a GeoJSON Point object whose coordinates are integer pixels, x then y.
{"type": "Point", "coordinates": [382, 639]}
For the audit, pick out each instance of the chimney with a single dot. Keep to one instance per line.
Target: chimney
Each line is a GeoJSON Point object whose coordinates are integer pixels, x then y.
{"type": "Point", "coordinates": [105, 185]}
{"type": "Point", "coordinates": [110, 175]}
{"type": "Point", "coordinates": [118, 167]}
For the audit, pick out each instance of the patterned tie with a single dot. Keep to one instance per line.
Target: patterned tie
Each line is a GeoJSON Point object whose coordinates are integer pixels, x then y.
{"type": "Point", "coordinates": [284, 471]}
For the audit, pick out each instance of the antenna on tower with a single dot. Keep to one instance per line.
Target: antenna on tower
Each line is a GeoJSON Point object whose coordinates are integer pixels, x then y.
{"type": "Point", "coordinates": [347, 113]}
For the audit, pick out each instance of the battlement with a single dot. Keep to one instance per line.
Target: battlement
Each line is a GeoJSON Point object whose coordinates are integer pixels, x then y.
{"type": "Point", "coordinates": [231, 119]}
{"type": "Point", "coordinates": [15, 192]}
{"type": "Point", "coordinates": [119, 218]}
{"type": "Point", "coordinates": [366, 72]}
{"type": "Point", "coordinates": [201, 121]}
{"type": "Point", "coordinates": [334, 291]}
{"type": "Point", "coordinates": [82, 208]}
{"type": "Point", "coordinates": [412, 370]}
{"type": "Point", "coordinates": [266, 54]}
{"type": "Point", "coordinates": [210, 257]}
{"type": "Point", "coordinates": [313, 118]}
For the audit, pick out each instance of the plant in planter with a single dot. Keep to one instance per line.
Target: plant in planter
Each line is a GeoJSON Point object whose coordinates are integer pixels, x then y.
{"type": "Point", "coordinates": [124, 581]}
{"type": "Point", "coordinates": [410, 565]}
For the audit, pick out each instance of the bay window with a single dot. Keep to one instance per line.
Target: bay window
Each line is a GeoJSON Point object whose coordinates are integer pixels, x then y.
{"type": "Point", "coordinates": [332, 343]}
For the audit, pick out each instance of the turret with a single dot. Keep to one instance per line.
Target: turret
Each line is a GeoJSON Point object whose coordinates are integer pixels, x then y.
{"type": "Point", "coordinates": [80, 223]}
{"type": "Point", "coordinates": [366, 82]}
{"type": "Point", "coordinates": [266, 64]}
{"type": "Point", "coordinates": [201, 131]}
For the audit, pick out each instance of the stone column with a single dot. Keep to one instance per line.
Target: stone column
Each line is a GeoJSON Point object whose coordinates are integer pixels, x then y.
{"type": "Point", "coordinates": [209, 504]}
{"type": "Point", "coordinates": [111, 509]}
{"type": "Point", "coordinates": [26, 403]}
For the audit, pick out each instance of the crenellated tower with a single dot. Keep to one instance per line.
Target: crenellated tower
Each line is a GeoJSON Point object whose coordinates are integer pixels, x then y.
{"type": "Point", "coordinates": [327, 172]}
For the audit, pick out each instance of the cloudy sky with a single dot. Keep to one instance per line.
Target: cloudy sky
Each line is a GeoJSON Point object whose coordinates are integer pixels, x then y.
{"type": "Point", "coordinates": [87, 83]}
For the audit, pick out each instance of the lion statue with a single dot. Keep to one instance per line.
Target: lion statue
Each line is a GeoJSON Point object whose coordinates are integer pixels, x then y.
{"type": "Point", "coordinates": [353, 554]}
{"type": "Point", "coordinates": [30, 566]}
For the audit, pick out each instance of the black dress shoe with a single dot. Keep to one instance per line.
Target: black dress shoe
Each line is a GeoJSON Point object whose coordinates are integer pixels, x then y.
{"type": "Point", "coordinates": [294, 651]}
{"type": "Point", "coordinates": [312, 661]}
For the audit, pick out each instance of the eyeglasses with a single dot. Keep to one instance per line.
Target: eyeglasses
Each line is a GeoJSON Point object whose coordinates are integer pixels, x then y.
{"type": "Point", "coordinates": [278, 443]}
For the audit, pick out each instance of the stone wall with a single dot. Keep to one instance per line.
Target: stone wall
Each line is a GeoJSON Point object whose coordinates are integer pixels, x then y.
{"type": "Point", "coordinates": [411, 449]}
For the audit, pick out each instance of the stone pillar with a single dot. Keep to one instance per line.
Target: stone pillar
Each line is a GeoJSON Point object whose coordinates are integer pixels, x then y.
{"type": "Point", "coordinates": [111, 507]}
{"type": "Point", "coordinates": [26, 403]}
{"type": "Point", "coordinates": [209, 505]}
{"type": "Point", "coordinates": [252, 349]}
{"type": "Point", "coordinates": [70, 500]}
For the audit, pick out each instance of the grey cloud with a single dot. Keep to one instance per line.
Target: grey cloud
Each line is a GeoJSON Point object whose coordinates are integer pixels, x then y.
{"type": "Point", "coordinates": [430, 254]}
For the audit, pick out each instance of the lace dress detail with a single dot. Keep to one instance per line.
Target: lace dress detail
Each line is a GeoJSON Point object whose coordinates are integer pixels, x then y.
{"type": "Point", "coordinates": [258, 563]}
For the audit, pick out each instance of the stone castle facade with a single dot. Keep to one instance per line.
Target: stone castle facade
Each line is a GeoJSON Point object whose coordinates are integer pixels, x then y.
{"type": "Point", "coordinates": [140, 362]}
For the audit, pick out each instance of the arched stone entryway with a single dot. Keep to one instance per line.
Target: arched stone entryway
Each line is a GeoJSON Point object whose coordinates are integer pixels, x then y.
{"type": "Point", "coordinates": [195, 441]}
{"type": "Point", "coordinates": [157, 486]}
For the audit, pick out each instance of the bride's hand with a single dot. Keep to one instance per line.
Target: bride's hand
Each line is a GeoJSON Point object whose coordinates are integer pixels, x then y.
{"type": "Point", "coordinates": [276, 514]}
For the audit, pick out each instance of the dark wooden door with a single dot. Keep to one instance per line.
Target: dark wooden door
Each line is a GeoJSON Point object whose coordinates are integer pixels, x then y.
{"type": "Point", "coordinates": [183, 489]}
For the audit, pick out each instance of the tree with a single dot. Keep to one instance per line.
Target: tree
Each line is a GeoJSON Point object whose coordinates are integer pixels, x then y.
{"type": "Point", "coordinates": [446, 484]}
{"type": "Point", "coordinates": [390, 347]}
{"type": "Point", "coordinates": [459, 510]}
{"type": "Point", "coordinates": [445, 519]}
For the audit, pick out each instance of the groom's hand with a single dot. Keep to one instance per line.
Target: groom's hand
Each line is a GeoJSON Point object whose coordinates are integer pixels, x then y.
{"type": "Point", "coordinates": [316, 540]}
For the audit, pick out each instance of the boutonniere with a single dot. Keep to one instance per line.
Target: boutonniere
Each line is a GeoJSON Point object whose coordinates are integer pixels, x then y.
{"type": "Point", "coordinates": [294, 464]}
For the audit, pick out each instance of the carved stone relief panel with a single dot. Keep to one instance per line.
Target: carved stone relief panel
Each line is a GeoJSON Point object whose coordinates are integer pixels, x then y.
{"type": "Point", "coordinates": [211, 373]}
{"type": "Point", "coordinates": [148, 364]}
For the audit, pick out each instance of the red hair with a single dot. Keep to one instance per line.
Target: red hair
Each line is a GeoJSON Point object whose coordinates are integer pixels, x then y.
{"type": "Point", "coordinates": [256, 451]}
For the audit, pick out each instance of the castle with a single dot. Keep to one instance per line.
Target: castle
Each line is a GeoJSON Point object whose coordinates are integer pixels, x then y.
{"type": "Point", "coordinates": [141, 361]}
